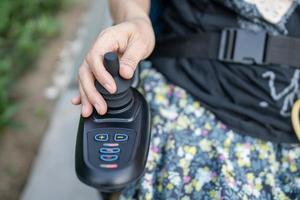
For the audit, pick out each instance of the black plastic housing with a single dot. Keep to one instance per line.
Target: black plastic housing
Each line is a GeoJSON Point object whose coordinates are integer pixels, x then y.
{"type": "Point", "coordinates": [134, 117]}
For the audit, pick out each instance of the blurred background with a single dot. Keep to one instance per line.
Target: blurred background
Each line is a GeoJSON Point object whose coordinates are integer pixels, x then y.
{"type": "Point", "coordinates": [42, 43]}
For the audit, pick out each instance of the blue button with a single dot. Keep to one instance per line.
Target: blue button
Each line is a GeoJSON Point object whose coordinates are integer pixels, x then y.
{"type": "Point", "coordinates": [109, 158]}
{"type": "Point", "coordinates": [109, 150]}
{"type": "Point", "coordinates": [119, 137]}
{"type": "Point", "coordinates": [102, 137]}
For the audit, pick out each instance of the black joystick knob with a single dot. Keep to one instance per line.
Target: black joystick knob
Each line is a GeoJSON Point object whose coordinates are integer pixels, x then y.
{"type": "Point", "coordinates": [123, 96]}
{"type": "Point", "coordinates": [111, 63]}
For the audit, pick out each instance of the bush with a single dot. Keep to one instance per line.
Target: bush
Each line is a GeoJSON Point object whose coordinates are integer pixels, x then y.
{"type": "Point", "coordinates": [25, 25]}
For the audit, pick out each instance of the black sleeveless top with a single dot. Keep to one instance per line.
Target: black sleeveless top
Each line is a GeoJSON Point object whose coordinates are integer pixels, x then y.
{"type": "Point", "coordinates": [252, 100]}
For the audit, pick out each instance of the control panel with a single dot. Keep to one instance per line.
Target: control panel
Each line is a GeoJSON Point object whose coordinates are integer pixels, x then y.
{"type": "Point", "coordinates": [110, 148]}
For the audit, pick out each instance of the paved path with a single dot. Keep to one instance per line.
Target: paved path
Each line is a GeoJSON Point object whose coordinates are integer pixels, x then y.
{"type": "Point", "coordinates": [53, 172]}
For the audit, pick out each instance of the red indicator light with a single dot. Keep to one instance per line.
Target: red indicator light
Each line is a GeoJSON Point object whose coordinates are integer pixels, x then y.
{"type": "Point", "coordinates": [109, 166]}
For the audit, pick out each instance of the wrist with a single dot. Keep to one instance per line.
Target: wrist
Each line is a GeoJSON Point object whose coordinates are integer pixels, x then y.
{"type": "Point", "coordinates": [136, 13]}
{"type": "Point", "coordinates": [130, 10]}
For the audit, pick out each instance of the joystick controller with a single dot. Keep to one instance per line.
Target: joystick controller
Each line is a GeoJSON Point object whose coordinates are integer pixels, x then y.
{"type": "Point", "coordinates": [112, 149]}
{"type": "Point", "coordinates": [123, 96]}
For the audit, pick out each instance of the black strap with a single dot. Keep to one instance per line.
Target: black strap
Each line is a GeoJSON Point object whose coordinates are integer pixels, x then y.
{"type": "Point", "coordinates": [200, 45]}
{"type": "Point", "coordinates": [233, 45]}
{"type": "Point", "coordinates": [283, 50]}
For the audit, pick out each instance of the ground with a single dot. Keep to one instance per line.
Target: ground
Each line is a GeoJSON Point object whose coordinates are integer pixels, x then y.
{"type": "Point", "coordinates": [19, 145]}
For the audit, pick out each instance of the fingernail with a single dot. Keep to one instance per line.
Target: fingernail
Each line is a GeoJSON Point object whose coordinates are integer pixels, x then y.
{"type": "Point", "coordinates": [109, 88]}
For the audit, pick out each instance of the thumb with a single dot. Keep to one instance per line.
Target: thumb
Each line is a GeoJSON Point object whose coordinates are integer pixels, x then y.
{"type": "Point", "coordinates": [130, 59]}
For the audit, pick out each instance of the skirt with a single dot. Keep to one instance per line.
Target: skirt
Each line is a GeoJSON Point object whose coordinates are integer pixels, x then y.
{"type": "Point", "coordinates": [195, 156]}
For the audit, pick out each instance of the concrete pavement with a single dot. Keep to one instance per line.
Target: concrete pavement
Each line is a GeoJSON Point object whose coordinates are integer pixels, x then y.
{"type": "Point", "coordinates": [53, 174]}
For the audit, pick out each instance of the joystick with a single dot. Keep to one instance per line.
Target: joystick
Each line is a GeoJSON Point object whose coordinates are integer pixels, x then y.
{"type": "Point", "coordinates": [123, 96]}
{"type": "Point", "coordinates": [112, 149]}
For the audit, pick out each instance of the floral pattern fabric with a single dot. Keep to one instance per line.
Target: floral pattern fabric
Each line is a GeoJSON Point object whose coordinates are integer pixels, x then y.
{"type": "Point", "coordinates": [195, 156]}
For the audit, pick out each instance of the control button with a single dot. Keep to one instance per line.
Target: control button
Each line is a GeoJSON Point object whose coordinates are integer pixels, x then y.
{"type": "Point", "coordinates": [120, 137]}
{"type": "Point", "coordinates": [109, 150]}
{"type": "Point", "coordinates": [109, 166]}
{"type": "Point", "coordinates": [102, 137]}
{"type": "Point", "coordinates": [111, 144]}
{"type": "Point", "coordinates": [109, 158]}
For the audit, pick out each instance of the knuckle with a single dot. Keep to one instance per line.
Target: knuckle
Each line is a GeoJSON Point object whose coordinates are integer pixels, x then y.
{"type": "Point", "coordinates": [92, 97]}
{"type": "Point", "coordinates": [116, 44]}
{"type": "Point", "coordinates": [105, 31]}
{"type": "Point", "coordinates": [142, 45]}
{"type": "Point", "coordinates": [97, 71]}
{"type": "Point", "coordinates": [98, 74]}
{"type": "Point", "coordinates": [81, 72]}
{"type": "Point", "coordinates": [91, 65]}
{"type": "Point", "coordinates": [129, 60]}
{"type": "Point", "coordinates": [89, 58]}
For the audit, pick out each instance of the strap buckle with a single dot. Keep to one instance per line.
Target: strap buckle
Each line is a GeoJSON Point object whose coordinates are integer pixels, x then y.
{"type": "Point", "coordinates": [242, 46]}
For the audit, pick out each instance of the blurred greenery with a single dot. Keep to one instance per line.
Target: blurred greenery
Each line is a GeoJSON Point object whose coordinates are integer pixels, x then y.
{"type": "Point", "coordinates": [25, 25]}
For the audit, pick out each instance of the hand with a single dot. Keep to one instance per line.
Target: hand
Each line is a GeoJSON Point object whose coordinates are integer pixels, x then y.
{"type": "Point", "coordinates": [133, 40]}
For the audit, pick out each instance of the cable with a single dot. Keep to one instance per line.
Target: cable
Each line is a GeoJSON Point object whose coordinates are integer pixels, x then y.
{"type": "Point", "coordinates": [295, 118]}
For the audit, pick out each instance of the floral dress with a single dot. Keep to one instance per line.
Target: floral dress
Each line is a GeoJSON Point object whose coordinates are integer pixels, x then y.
{"type": "Point", "coordinates": [195, 156]}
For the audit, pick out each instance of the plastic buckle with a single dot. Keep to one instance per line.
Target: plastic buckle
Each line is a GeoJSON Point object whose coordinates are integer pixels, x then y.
{"type": "Point", "coordinates": [241, 46]}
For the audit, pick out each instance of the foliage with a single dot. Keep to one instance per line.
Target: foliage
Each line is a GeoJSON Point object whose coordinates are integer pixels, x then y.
{"type": "Point", "coordinates": [25, 25]}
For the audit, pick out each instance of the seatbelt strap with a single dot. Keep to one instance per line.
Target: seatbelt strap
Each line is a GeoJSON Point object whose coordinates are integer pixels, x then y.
{"type": "Point", "coordinates": [234, 46]}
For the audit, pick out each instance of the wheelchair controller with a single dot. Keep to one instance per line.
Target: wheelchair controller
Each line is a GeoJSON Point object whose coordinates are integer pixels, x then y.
{"type": "Point", "coordinates": [112, 149]}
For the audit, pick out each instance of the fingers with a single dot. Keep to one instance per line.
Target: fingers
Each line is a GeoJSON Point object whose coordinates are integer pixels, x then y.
{"type": "Point", "coordinates": [123, 38]}
{"type": "Point", "coordinates": [130, 59]}
{"type": "Point", "coordinates": [89, 91]}
{"type": "Point", "coordinates": [106, 42]}
{"type": "Point", "coordinates": [86, 107]}
{"type": "Point", "coordinates": [139, 46]}
{"type": "Point", "coordinates": [100, 73]}
{"type": "Point", "coordinates": [91, 68]}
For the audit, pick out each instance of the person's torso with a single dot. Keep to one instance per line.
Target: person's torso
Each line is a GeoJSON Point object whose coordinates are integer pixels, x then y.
{"type": "Point", "coordinates": [254, 100]}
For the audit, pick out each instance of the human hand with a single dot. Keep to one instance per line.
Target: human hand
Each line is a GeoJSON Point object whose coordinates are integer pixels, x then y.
{"type": "Point", "coordinates": [133, 40]}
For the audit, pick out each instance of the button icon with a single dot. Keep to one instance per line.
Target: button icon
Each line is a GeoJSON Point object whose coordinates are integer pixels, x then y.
{"type": "Point", "coordinates": [109, 150]}
{"type": "Point", "coordinates": [102, 137]}
{"type": "Point", "coordinates": [119, 137]}
{"type": "Point", "coordinates": [109, 158]}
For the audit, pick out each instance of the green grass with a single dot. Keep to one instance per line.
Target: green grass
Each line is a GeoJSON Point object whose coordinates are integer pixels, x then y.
{"type": "Point", "coordinates": [25, 26]}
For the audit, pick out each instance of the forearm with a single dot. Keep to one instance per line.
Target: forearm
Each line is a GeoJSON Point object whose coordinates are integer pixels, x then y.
{"type": "Point", "coordinates": [123, 10]}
